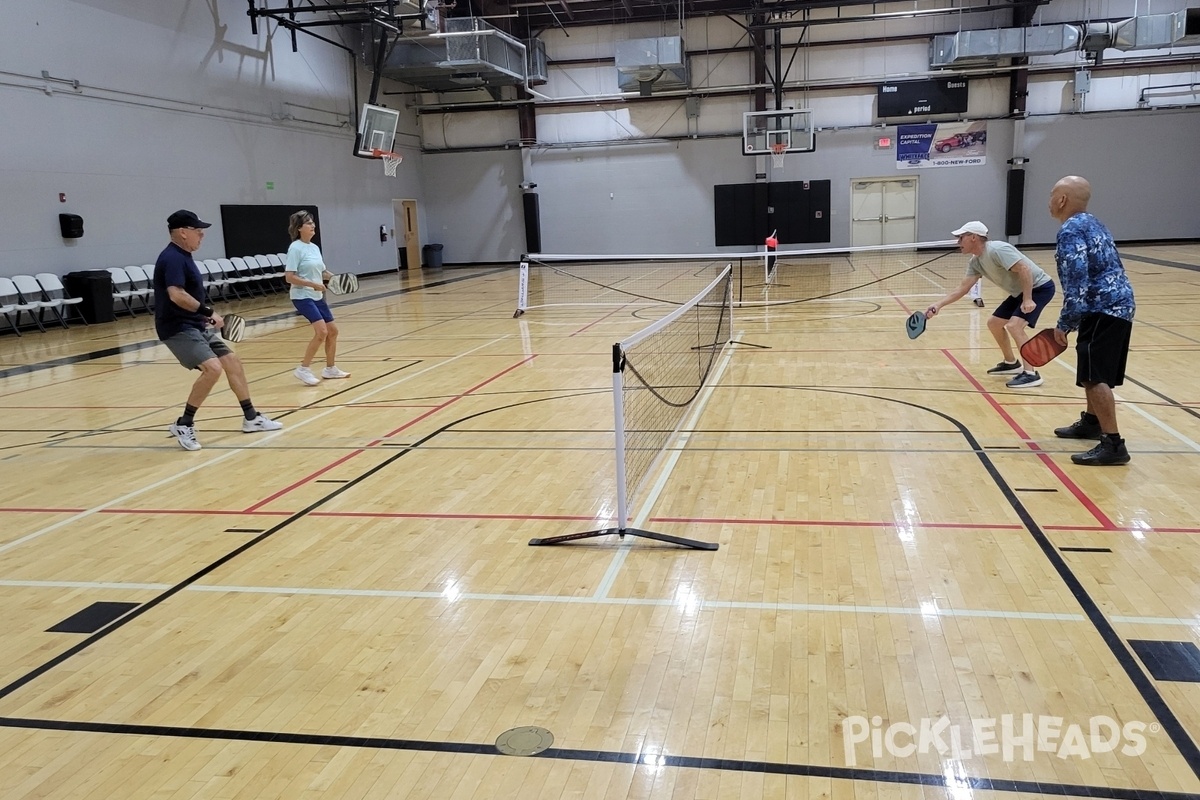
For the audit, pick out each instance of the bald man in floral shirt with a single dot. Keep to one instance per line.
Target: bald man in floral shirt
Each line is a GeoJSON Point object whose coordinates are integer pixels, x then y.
{"type": "Point", "coordinates": [1098, 303]}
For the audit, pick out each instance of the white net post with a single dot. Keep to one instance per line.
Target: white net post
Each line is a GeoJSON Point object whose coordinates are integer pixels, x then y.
{"type": "Point", "coordinates": [770, 259]}
{"type": "Point", "coordinates": [522, 288]}
{"type": "Point", "coordinates": [619, 428]}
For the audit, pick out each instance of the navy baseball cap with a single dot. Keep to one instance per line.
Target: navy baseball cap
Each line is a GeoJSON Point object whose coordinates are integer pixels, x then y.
{"type": "Point", "coordinates": [185, 219]}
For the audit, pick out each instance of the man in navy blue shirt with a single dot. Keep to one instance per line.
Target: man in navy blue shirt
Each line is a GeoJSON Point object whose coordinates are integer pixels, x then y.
{"type": "Point", "coordinates": [187, 325]}
{"type": "Point", "coordinates": [1098, 303]}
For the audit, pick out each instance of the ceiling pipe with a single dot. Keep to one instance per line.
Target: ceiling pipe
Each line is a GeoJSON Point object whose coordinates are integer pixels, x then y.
{"type": "Point", "coordinates": [832, 84]}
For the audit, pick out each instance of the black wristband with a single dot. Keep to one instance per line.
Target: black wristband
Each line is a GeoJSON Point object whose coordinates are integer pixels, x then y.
{"type": "Point", "coordinates": [205, 311]}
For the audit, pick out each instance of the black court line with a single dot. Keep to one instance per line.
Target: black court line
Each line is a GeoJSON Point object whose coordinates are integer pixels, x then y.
{"type": "Point", "coordinates": [1169, 661]}
{"type": "Point", "coordinates": [1116, 645]}
{"type": "Point", "coordinates": [1170, 401]}
{"type": "Point", "coordinates": [607, 757]}
{"type": "Point", "coordinates": [67, 361]}
{"type": "Point", "coordinates": [1036, 490]}
{"type": "Point", "coordinates": [1085, 549]}
{"type": "Point", "coordinates": [92, 618]}
{"type": "Point", "coordinates": [244, 530]}
{"type": "Point", "coordinates": [1162, 262]}
{"type": "Point", "coordinates": [1144, 686]}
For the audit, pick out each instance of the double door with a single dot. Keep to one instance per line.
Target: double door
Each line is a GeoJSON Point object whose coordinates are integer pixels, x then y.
{"type": "Point", "coordinates": [884, 211]}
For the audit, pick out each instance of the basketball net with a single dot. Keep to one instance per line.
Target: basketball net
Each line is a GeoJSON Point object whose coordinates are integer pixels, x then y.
{"type": "Point", "coordinates": [390, 161]}
{"type": "Point", "coordinates": [778, 154]}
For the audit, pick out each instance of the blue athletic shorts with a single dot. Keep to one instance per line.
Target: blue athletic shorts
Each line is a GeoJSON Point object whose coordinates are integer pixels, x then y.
{"type": "Point", "coordinates": [314, 310]}
{"type": "Point", "coordinates": [1011, 307]}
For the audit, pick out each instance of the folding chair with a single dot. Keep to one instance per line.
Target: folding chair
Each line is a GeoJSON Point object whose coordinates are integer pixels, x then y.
{"type": "Point", "coordinates": [11, 302]}
{"type": "Point", "coordinates": [53, 289]}
{"type": "Point", "coordinates": [123, 288]}
{"type": "Point", "coordinates": [31, 292]}
{"type": "Point", "coordinates": [142, 283]}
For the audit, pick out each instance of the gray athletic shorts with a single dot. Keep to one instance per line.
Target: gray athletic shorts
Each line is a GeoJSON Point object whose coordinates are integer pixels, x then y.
{"type": "Point", "coordinates": [193, 347]}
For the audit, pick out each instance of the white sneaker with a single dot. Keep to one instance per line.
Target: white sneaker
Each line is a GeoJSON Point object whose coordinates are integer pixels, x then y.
{"type": "Point", "coordinates": [305, 376]}
{"type": "Point", "coordinates": [185, 435]}
{"type": "Point", "coordinates": [260, 423]}
{"type": "Point", "coordinates": [334, 372]}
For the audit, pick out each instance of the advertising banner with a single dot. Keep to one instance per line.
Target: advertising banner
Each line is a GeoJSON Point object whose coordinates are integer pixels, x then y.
{"type": "Point", "coordinates": [947, 144]}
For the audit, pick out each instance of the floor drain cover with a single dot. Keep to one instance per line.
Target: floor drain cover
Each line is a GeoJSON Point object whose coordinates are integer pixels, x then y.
{"type": "Point", "coordinates": [527, 740]}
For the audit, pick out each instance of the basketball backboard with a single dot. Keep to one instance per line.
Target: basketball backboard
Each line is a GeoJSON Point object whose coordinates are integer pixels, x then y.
{"type": "Point", "coordinates": [376, 129]}
{"type": "Point", "coordinates": [764, 131]}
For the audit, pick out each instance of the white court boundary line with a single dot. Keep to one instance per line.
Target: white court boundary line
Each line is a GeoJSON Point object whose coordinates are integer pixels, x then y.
{"type": "Point", "coordinates": [664, 472]}
{"type": "Point", "coordinates": [689, 605]}
{"type": "Point", "coordinates": [257, 442]}
{"type": "Point", "coordinates": [1135, 408]}
{"type": "Point", "coordinates": [1193, 622]}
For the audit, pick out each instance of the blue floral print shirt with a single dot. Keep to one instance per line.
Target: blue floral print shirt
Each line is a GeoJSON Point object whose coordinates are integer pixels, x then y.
{"type": "Point", "coordinates": [1090, 272]}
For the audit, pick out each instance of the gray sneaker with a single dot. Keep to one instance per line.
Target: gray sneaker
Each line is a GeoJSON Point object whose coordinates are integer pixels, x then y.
{"type": "Point", "coordinates": [1026, 380]}
{"type": "Point", "coordinates": [185, 435]}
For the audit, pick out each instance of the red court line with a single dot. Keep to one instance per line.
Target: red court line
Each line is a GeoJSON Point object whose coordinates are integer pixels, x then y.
{"type": "Point", "coordinates": [411, 422]}
{"type": "Point", "coordinates": [1070, 485]}
{"type": "Point", "coordinates": [838, 523]}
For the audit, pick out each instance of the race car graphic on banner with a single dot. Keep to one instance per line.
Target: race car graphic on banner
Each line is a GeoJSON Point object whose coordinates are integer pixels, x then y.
{"type": "Point", "coordinates": [949, 144]}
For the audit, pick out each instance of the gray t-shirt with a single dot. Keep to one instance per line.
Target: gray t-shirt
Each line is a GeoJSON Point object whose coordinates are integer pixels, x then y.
{"type": "Point", "coordinates": [996, 263]}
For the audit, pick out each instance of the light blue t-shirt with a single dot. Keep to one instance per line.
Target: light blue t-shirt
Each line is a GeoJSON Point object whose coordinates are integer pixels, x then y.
{"type": "Point", "coordinates": [305, 260]}
{"type": "Point", "coordinates": [996, 263]}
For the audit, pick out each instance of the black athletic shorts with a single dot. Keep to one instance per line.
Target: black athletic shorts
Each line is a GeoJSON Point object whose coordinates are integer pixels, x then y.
{"type": "Point", "coordinates": [1102, 348]}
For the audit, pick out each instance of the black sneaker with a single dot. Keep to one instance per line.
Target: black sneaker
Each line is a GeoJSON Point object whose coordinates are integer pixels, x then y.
{"type": "Point", "coordinates": [1110, 451]}
{"type": "Point", "coordinates": [1006, 368]}
{"type": "Point", "coordinates": [979, 302]}
{"type": "Point", "coordinates": [1026, 380]}
{"type": "Point", "coordinates": [1082, 428]}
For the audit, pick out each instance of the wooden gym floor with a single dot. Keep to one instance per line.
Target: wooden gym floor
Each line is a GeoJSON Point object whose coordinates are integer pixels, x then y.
{"type": "Point", "coordinates": [910, 567]}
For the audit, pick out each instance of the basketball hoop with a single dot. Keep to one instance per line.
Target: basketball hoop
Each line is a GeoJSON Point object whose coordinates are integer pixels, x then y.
{"type": "Point", "coordinates": [778, 154]}
{"type": "Point", "coordinates": [390, 161]}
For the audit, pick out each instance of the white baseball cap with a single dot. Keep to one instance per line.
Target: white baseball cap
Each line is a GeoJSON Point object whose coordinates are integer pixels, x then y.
{"type": "Point", "coordinates": [974, 226]}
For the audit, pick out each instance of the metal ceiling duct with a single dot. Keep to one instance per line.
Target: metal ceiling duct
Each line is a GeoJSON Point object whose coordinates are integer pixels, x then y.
{"type": "Point", "coordinates": [989, 45]}
{"type": "Point", "coordinates": [648, 64]}
{"type": "Point", "coordinates": [1151, 32]}
{"type": "Point", "coordinates": [470, 53]}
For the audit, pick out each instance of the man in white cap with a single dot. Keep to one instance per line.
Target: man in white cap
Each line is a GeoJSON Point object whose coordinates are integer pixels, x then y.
{"type": "Point", "coordinates": [1029, 290]}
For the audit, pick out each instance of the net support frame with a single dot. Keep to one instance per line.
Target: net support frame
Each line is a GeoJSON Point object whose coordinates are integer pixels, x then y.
{"type": "Point", "coordinates": [769, 258]}
{"type": "Point", "coordinates": [522, 288]}
{"type": "Point", "coordinates": [619, 351]}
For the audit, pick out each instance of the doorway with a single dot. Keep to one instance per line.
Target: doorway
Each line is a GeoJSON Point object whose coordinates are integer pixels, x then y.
{"type": "Point", "coordinates": [884, 211]}
{"type": "Point", "coordinates": [405, 234]}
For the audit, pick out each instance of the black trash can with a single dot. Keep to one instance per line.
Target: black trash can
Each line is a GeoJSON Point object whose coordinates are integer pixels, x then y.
{"type": "Point", "coordinates": [95, 288]}
{"type": "Point", "coordinates": [433, 255]}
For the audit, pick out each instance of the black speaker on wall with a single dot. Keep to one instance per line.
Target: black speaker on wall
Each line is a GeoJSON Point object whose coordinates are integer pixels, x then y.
{"type": "Point", "coordinates": [533, 223]}
{"type": "Point", "coordinates": [71, 225]}
{"type": "Point", "coordinates": [1015, 208]}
